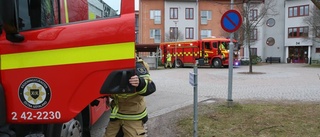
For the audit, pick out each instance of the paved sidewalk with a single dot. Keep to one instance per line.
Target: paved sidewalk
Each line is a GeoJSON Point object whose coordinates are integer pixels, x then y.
{"type": "Point", "coordinates": [279, 81]}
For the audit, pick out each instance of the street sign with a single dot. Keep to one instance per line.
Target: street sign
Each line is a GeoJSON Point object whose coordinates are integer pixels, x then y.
{"type": "Point", "coordinates": [192, 79]}
{"type": "Point", "coordinates": [231, 21]}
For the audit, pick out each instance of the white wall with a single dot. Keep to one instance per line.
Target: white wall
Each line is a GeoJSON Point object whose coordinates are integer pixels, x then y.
{"type": "Point", "coordinates": [182, 23]}
{"type": "Point", "coordinates": [276, 32]}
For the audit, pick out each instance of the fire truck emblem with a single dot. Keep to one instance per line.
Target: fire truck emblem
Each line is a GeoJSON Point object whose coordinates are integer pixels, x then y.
{"type": "Point", "coordinates": [34, 93]}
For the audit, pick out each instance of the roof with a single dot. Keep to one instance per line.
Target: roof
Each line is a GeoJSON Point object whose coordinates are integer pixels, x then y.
{"type": "Point", "coordinates": [147, 47]}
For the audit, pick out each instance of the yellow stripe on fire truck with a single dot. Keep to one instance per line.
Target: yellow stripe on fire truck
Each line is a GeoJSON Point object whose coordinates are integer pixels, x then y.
{"type": "Point", "coordinates": [109, 52]}
{"type": "Point", "coordinates": [180, 54]}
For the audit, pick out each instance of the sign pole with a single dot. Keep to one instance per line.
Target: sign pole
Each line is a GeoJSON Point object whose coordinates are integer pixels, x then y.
{"type": "Point", "coordinates": [231, 46]}
{"type": "Point", "coordinates": [193, 80]}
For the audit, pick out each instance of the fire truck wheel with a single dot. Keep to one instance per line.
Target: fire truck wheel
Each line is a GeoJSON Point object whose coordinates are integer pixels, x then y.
{"type": "Point", "coordinates": [179, 64]}
{"type": "Point", "coordinates": [216, 63]}
{"type": "Point", "coordinates": [72, 128]}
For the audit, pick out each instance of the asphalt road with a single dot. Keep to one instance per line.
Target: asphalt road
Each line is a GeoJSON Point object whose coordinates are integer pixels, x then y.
{"type": "Point", "coordinates": [274, 82]}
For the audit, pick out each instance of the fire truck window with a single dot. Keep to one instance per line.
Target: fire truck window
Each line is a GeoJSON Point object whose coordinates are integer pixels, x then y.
{"type": "Point", "coordinates": [226, 45]}
{"type": "Point", "coordinates": [215, 45]}
{"type": "Point", "coordinates": [35, 13]}
{"type": "Point", "coordinates": [207, 45]}
{"type": "Point", "coordinates": [43, 13]}
{"type": "Point", "coordinates": [80, 10]}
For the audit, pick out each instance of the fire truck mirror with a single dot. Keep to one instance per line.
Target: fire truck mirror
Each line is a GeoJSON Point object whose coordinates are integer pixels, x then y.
{"type": "Point", "coordinates": [236, 46]}
{"type": "Point", "coordinates": [118, 82]}
{"type": "Point", "coordinates": [9, 20]}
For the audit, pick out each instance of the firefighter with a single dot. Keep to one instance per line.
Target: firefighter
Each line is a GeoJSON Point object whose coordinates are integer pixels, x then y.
{"type": "Point", "coordinates": [168, 60]}
{"type": "Point", "coordinates": [222, 50]}
{"type": "Point", "coordinates": [128, 111]}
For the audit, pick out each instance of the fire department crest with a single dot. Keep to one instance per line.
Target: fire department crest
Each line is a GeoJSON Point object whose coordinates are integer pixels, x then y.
{"type": "Point", "coordinates": [34, 93]}
{"type": "Point", "coordinates": [141, 69]}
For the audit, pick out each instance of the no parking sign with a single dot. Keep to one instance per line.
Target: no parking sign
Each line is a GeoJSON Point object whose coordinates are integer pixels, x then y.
{"type": "Point", "coordinates": [231, 21]}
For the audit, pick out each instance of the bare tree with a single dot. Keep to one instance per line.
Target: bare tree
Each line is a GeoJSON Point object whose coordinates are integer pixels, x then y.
{"type": "Point", "coordinates": [253, 13]}
{"type": "Point", "coordinates": [313, 20]}
{"type": "Point", "coordinates": [316, 3]}
{"type": "Point", "coordinates": [171, 38]}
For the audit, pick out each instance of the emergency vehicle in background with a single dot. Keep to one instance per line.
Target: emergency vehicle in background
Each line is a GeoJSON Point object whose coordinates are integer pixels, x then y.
{"type": "Point", "coordinates": [60, 59]}
{"type": "Point", "coordinates": [211, 52]}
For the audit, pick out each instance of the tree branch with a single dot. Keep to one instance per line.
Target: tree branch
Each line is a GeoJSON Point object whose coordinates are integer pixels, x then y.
{"type": "Point", "coordinates": [316, 3]}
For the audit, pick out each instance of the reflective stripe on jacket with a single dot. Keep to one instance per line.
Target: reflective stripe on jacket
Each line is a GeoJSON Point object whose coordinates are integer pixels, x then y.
{"type": "Point", "coordinates": [132, 106]}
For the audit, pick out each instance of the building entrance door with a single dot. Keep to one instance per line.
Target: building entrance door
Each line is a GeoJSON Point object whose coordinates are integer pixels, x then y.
{"type": "Point", "coordinates": [298, 54]}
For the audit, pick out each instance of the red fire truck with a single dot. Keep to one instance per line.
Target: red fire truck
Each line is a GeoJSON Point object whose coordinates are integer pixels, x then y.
{"type": "Point", "coordinates": [60, 59]}
{"type": "Point", "coordinates": [211, 52]}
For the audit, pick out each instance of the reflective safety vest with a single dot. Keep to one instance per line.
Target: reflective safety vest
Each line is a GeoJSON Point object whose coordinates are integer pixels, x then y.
{"type": "Point", "coordinates": [132, 106]}
{"type": "Point", "coordinates": [169, 57]}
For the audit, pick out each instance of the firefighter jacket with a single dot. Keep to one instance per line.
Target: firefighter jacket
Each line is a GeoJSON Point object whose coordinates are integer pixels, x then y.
{"type": "Point", "coordinates": [132, 106]}
{"type": "Point", "coordinates": [169, 57]}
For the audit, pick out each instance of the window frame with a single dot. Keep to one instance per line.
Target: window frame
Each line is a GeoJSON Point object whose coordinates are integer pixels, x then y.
{"type": "Point", "coordinates": [173, 33]}
{"type": "Point", "coordinates": [189, 13]}
{"type": "Point", "coordinates": [153, 35]}
{"type": "Point", "coordinates": [253, 15]}
{"type": "Point", "coordinates": [271, 22]}
{"type": "Point", "coordinates": [205, 15]}
{"type": "Point", "coordinates": [254, 51]}
{"type": "Point", "coordinates": [189, 34]}
{"type": "Point", "coordinates": [317, 32]}
{"type": "Point", "coordinates": [155, 17]}
{"type": "Point", "coordinates": [207, 33]}
{"type": "Point", "coordinates": [297, 33]}
{"type": "Point", "coordinates": [270, 41]}
{"type": "Point", "coordinates": [254, 34]}
{"type": "Point", "coordinates": [174, 13]}
{"type": "Point", "coordinates": [298, 11]}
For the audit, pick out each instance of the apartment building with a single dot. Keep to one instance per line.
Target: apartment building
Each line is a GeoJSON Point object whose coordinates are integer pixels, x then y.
{"type": "Point", "coordinates": [285, 34]}
{"type": "Point", "coordinates": [300, 44]}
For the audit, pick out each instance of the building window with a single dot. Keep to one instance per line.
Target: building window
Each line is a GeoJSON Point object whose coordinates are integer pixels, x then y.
{"type": "Point", "coordinates": [205, 33]}
{"type": "Point", "coordinates": [156, 35]}
{"type": "Point", "coordinates": [189, 33]}
{"type": "Point", "coordinates": [189, 13]}
{"type": "Point", "coordinates": [253, 15]}
{"type": "Point", "coordinates": [205, 16]}
{"type": "Point", "coordinates": [253, 51]}
{"type": "Point", "coordinates": [298, 32]}
{"type": "Point", "coordinates": [317, 50]}
{"type": "Point", "coordinates": [271, 22]}
{"type": "Point", "coordinates": [297, 11]}
{"type": "Point", "coordinates": [174, 33]}
{"type": "Point", "coordinates": [156, 16]}
{"type": "Point", "coordinates": [318, 31]}
{"type": "Point", "coordinates": [254, 34]}
{"type": "Point", "coordinates": [173, 13]}
{"type": "Point", "coordinates": [270, 41]}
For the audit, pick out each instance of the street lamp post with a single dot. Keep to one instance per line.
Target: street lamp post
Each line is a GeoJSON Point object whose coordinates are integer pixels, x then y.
{"type": "Point", "coordinates": [175, 45]}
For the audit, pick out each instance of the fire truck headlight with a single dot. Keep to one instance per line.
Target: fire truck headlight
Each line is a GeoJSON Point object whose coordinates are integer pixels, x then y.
{"type": "Point", "coordinates": [236, 63]}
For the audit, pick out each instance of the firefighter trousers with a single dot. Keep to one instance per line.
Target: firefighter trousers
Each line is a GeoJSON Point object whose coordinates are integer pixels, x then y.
{"type": "Point", "coordinates": [168, 63]}
{"type": "Point", "coordinates": [130, 128]}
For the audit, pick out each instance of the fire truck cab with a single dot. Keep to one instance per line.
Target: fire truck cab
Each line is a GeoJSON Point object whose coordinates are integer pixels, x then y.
{"type": "Point", "coordinates": [211, 52]}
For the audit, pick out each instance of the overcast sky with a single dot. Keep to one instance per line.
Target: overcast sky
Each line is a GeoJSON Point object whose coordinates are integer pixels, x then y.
{"type": "Point", "coordinates": [115, 3]}
{"type": "Point", "coordinates": [136, 6]}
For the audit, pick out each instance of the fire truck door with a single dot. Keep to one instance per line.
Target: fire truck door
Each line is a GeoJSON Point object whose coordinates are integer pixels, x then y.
{"type": "Point", "coordinates": [165, 53]}
{"type": "Point", "coordinates": [215, 48]}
